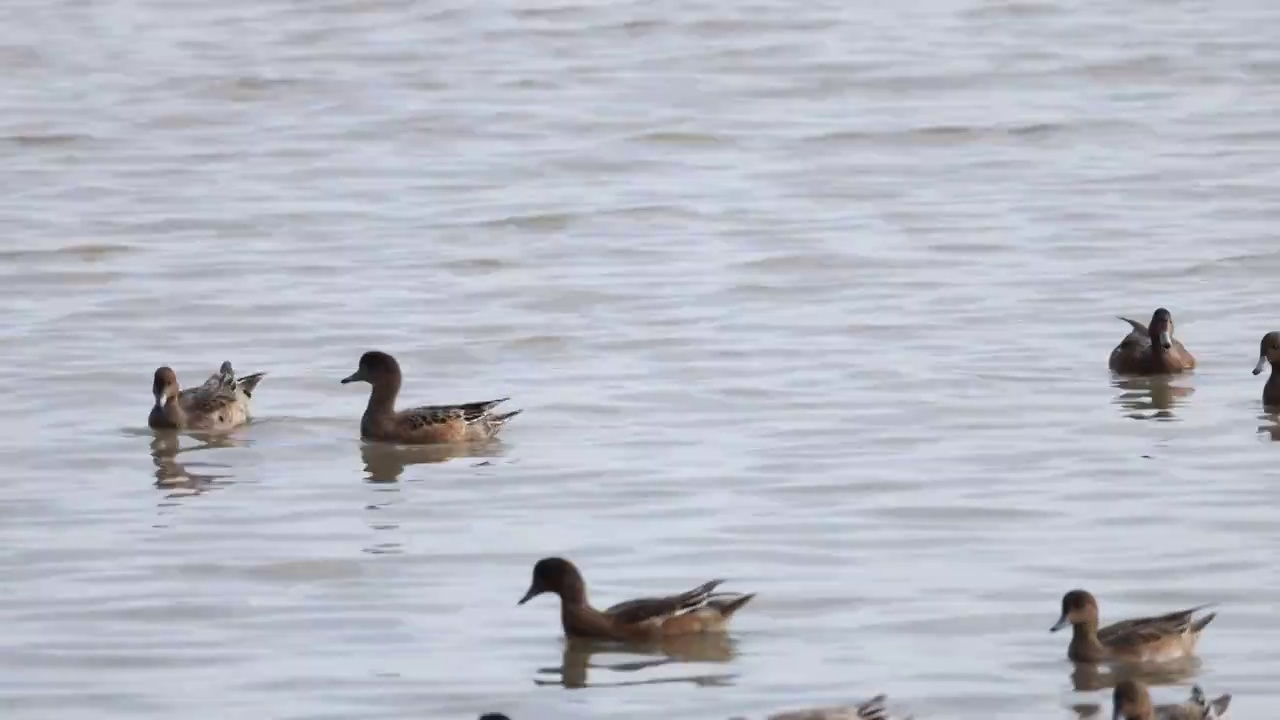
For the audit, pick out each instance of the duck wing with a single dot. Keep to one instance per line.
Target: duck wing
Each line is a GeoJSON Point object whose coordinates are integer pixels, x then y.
{"type": "Point", "coordinates": [428, 415]}
{"type": "Point", "coordinates": [214, 392]}
{"type": "Point", "coordinates": [632, 612]}
{"type": "Point", "coordinates": [1140, 631]}
{"type": "Point", "coordinates": [248, 383]}
{"type": "Point", "coordinates": [1138, 337]}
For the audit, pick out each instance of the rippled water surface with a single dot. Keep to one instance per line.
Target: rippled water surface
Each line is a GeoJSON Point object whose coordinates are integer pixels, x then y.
{"type": "Point", "coordinates": [816, 297]}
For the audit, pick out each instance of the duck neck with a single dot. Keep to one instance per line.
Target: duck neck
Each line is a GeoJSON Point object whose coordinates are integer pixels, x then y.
{"type": "Point", "coordinates": [1271, 391]}
{"type": "Point", "coordinates": [168, 413]}
{"type": "Point", "coordinates": [382, 399]}
{"type": "Point", "coordinates": [576, 616]}
{"type": "Point", "coordinates": [573, 593]}
{"type": "Point", "coordinates": [1084, 642]}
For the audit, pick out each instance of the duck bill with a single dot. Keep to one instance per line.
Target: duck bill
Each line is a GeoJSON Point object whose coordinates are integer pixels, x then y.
{"type": "Point", "coordinates": [1062, 622]}
{"type": "Point", "coordinates": [353, 377]}
{"type": "Point", "coordinates": [1166, 340]}
{"type": "Point", "coordinates": [533, 593]}
{"type": "Point", "coordinates": [1262, 365]}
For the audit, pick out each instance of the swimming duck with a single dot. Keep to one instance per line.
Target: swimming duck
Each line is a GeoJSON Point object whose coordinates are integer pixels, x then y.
{"type": "Point", "coordinates": [1151, 350]}
{"type": "Point", "coordinates": [429, 424]}
{"type": "Point", "coordinates": [873, 709]}
{"type": "Point", "coordinates": [1150, 639]}
{"type": "Point", "coordinates": [699, 610]}
{"type": "Point", "coordinates": [1131, 701]}
{"type": "Point", "coordinates": [1269, 352]}
{"type": "Point", "coordinates": [221, 403]}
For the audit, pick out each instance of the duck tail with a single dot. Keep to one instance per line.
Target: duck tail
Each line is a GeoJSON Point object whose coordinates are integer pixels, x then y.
{"type": "Point", "coordinates": [1200, 624]}
{"type": "Point", "coordinates": [728, 603]}
{"type": "Point", "coordinates": [249, 383]}
{"type": "Point", "coordinates": [1218, 708]}
{"type": "Point", "coordinates": [480, 412]}
{"type": "Point", "coordinates": [497, 421]}
{"type": "Point", "coordinates": [874, 709]}
{"type": "Point", "coordinates": [484, 406]}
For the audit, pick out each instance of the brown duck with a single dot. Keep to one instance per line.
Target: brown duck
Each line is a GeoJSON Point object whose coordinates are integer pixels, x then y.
{"type": "Point", "coordinates": [1269, 353]}
{"type": "Point", "coordinates": [699, 610]}
{"type": "Point", "coordinates": [221, 403]}
{"type": "Point", "coordinates": [429, 424]}
{"type": "Point", "coordinates": [1151, 349]}
{"type": "Point", "coordinates": [1131, 701]}
{"type": "Point", "coordinates": [1150, 639]}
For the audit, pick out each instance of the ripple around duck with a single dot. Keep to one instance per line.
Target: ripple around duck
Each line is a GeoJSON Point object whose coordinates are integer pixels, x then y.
{"type": "Point", "coordinates": [811, 298]}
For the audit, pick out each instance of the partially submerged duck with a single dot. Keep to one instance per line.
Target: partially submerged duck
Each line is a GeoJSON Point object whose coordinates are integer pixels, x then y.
{"type": "Point", "coordinates": [221, 403]}
{"type": "Point", "coordinates": [429, 424]}
{"type": "Point", "coordinates": [1151, 349]}
{"type": "Point", "coordinates": [1150, 639]}
{"type": "Point", "coordinates": [700, 610]}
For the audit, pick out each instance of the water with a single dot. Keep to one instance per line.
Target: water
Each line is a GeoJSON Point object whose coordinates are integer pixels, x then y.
{"type": "Point", "coordinates": [816, 297]}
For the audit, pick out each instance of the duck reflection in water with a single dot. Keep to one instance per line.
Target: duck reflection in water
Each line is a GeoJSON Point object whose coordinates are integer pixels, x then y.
{"type": "Point", "coordinates": [1088, 677]}
{"type": "Point", "coordinates": [1131, 699]}
{"type": "Point", "coordinates": [170, 474]}
{"type": "Point", "coordinates": [385, 462]}
{"type": "Point", "coordinates": [1150, 398]}
{"type": "Point", "coordinates": [1270, 426]}
{"type": "Point", "coordinates": [669, 651]}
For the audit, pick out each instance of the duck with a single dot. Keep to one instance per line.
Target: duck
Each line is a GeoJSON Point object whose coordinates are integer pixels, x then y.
{"type": "Point", "coordinates": [700, 610]}
{"type": "Point", "coordinates": [1269, 353]}
{"type": "Point", "coordinates": [1149, 639]}
{"type": "Point", "coordinates": [426, 425]}
{"type": "Point", "coordinates": [874, 709]}
{"type": "Point", "coordinates": [221, 403]}
{"type": "Point", "coordinates": [1151, 349]}
{"type": "Point", "coordinates": [1132, 701]}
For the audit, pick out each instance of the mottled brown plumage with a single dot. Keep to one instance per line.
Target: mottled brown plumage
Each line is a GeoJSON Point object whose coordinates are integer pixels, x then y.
{"type": "Point", "coordinates": [221, 403]}
{"type": "Point", "coordinates": [429, 424]}
{"type": "Point", "coordinates": [1151, 350]}
{"type": "Point", "coordinates": [1150, 639]}
{"type": "Point", "coordinates": [699, 610]}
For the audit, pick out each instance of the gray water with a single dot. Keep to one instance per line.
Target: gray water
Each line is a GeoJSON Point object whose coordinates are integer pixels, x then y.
{"type": "Point", "coordinates": [816, 297]}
